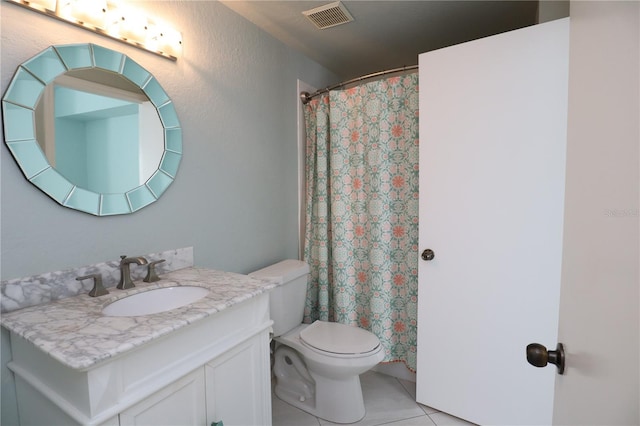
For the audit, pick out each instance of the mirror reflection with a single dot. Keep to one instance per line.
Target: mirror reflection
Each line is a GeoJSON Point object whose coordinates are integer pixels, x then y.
{"type": "Point", "coordinates": [100, 133]}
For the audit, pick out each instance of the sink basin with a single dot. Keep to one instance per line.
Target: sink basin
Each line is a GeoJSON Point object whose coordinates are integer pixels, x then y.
{"type": "Point", "coordinates": [154, 301]}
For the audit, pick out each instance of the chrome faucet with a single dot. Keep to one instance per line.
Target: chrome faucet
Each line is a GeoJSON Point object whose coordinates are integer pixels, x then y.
{"type": "Point", "coordinates": [125, 273]}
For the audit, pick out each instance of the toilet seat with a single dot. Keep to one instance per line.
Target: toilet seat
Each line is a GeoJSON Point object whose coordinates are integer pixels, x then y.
{"type": "Point", "coordinates": [339, 338]}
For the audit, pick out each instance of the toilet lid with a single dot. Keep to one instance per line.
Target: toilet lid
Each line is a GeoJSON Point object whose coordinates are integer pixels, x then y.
{"type": "Point", "coordinates": [339, 338]}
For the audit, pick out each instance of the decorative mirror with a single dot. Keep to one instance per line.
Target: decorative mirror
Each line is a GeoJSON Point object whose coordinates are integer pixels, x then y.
{"type": "Point", "coordinates": [92, 129]}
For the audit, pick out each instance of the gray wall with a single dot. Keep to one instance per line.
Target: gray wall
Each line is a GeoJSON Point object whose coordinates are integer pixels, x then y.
{"type": "Point", "coordinates": [235, 196]}
{"type": "Point", "coordinates": [234, 199]}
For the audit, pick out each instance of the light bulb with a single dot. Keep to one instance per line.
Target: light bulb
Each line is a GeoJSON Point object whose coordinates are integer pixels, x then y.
{"type": "Point", "coordinates": [170, 41]}
{"type": "Point", "coordinates": [90, 12]}
{"type": "Point", "coordinates": [133, 25]}
{"type": "Point", "coordinates": [49, 5]}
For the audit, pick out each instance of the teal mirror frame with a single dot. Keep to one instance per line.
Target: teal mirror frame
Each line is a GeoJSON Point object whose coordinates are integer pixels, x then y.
{"type": "Point", "coordinates": [19, 117]}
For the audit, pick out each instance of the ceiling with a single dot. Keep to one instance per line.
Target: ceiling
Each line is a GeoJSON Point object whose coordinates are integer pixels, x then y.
{"type": "Point", "coordinates": [384, 34]}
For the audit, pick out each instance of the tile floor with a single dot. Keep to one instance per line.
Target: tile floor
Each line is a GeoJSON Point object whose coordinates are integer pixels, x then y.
{"type": "Point", "coordinates": [388, 401]}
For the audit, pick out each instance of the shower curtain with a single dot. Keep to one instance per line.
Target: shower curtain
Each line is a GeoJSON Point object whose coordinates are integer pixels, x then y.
{"type": "Point", "coordinates": [361, 237]}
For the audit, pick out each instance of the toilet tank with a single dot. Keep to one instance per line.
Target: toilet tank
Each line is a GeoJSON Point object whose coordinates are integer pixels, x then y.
{"type": "Point", "coordinates": [287, 300]}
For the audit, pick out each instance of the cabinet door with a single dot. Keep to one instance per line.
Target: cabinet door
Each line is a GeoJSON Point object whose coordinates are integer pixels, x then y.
{"type": "Point", "coordinates": [239, 385]}
{"type": "Point", "coordinates": [180, 403]}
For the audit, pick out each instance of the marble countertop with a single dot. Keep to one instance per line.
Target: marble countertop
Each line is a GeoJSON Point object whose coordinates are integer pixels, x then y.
{"type": "Point", "coordinates": [75, 332]}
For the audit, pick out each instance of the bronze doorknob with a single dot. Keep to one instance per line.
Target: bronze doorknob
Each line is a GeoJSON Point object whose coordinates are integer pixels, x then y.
{"type": "Point", "coordinates": [538, 356]}
{"type": "Point", "coordinates": [428, 254]}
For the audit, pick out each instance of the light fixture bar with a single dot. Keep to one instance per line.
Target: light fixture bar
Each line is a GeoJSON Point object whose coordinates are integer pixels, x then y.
{"type": "Point", "coordinates": [114, 20]}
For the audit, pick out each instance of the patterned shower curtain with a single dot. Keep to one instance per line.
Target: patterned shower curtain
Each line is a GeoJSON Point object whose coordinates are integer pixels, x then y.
{"type": "Point", "coordinates": [361, 237]}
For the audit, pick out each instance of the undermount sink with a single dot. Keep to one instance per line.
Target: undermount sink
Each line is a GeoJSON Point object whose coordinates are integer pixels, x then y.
{"type": "Point", "coordinates": [155, 301]}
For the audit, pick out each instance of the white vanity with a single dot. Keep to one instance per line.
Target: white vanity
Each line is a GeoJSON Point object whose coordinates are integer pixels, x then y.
{"type": "Point", "coordinates": [195, 365]}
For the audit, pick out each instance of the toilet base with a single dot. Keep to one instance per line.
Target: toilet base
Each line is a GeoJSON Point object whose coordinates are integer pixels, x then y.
{"type": "Point", "coordinates": [338, 401]}
{"type": "Point", "coordinates": [324, 384]}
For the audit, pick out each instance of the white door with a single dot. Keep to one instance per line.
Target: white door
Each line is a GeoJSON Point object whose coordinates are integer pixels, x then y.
{"type": "Point", "coordinates": [493, 117]}
{"type": "Point", "coordinates": [599, 322]}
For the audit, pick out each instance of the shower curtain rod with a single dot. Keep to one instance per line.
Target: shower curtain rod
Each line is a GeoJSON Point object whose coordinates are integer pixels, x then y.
{"type": "Point", "coordinates": [306, 97]}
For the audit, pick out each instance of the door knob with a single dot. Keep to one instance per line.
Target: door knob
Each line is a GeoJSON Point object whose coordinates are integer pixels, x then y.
{"type": "Point", "coordinates": [428, 254]}
{"type": "Point", "coordinates": [537, 355]}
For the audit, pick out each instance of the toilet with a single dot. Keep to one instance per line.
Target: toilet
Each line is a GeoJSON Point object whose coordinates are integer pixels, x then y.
{"type": "Point", "coordinates": [317, 366]}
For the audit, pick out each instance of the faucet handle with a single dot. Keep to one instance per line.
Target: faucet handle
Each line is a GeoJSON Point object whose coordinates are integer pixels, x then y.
{"type": "Point", "coordinates": [152, 276]}
{"type": "Point", "coordinates": [98, 289]}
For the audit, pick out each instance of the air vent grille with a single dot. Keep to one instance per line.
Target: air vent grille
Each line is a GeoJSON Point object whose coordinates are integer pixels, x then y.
{"type": "Point", "coordinates": [329, 15]}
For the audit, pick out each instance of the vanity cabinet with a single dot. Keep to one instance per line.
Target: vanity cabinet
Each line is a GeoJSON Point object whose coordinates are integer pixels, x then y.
{"type": "Point", "coordinates": [180, 403]}
{"type": "Point", "coordinates": [214, 369]}
{"type": "Point", "coordinates": [231, 388]}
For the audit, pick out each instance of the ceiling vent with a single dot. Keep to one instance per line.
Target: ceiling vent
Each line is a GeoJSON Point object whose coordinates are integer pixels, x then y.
{"type": "Point", "coordinates": [329, 15]}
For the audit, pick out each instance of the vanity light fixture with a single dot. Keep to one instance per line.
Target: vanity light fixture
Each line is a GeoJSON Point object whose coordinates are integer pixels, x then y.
{"type": "Point", "coordinates": [115, 20]}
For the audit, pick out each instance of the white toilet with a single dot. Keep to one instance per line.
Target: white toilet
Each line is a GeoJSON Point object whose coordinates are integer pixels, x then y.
{"type": "Point", "coordinates": [317, 366]}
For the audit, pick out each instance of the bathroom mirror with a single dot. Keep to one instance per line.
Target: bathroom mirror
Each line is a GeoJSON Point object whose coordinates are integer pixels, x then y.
{"type": "Point", "coordinates": [92, 129]}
